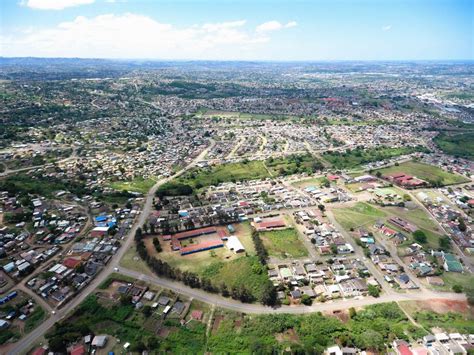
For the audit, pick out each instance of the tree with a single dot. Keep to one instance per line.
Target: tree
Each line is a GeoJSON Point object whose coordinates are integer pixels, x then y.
{"type": "Point", "coordinates": [334, 249]}
{"type": "Point", "coordinates": [457, 288]}
{"type": "Point", "coordinates": [352, 312]}
{"type": "Point", "coordinates": [373, 291]}
{"type": "Point", "coordinates": [322, 208]}
{"type": "Point", "coordinates": [306, 300]}
{"type": "Point", "coordinates": [462, 225]}
{"type": "Point", "coordinates": [420, 236]}
{"type": "Point", "coordinates": [269, 294]}
{"type": "Point", "coordinates": [146, 311]}
{"type": "Point", "coordinates": [445, 243]}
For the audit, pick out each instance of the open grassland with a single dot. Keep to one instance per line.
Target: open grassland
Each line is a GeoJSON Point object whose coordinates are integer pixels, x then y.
{"type": "Point", "coordinates": [426, 172]}
{"type": "Point", "coordinates": [357, 157]}
{"type": "Point", "coordinates": [416, 215]}
{"type": "Point", "coordinates": [309, 182]}
{"type": "Point", "coordinates": [241, 115]}
{"type": "Point", "coordinates": [198, 178]}
{"type": "Point", "coordinates": [137, 185]}
{"type": "Point", "coordinates": [283, 243]}
{"type": "Point", "coordinates": [361, 214]}
{"type": "Point", "coordinates": [461, 145]}
{"type": "Point", "coordinates": [293, 164]}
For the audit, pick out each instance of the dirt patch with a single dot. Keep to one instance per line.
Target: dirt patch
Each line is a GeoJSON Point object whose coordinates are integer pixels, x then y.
{"type": "Point", "coordinates": [217, 322]}
{"type": "Point", "coordinates": [440, 306]}
{"type": "Point", "coordinates": [288, 335]}
{"type": "Point", "coordinates": [164, 332]}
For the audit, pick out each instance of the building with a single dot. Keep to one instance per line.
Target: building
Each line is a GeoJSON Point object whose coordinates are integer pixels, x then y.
{"type": "Point", "coordinates": [234, 244]}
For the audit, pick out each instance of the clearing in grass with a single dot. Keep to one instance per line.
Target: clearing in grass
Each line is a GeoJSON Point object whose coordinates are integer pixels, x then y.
{"type": "Point", "coordinates": [361, 214]}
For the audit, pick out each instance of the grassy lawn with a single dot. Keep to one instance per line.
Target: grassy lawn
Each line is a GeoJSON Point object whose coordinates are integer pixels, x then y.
{"type": "Point", "coordinates": [358, 215]}
{"type": "Point", "coordinates": [455, 278]}
{"type": "Point", "coordinates": [137, 185]}
{"type": "Point", "coordinates": [293, 164]}
{"type": "Point", "coordinates": [244, 232]}
{"type": "Point", "coordinates": [283, 243]}
{"type": "Point", "coordinates": [357, 157]}
{"type": "Point", "coordinates": [242, 272]}
{"type": "Point", "coordinates": [309, 182]}
{"type": "Point", "coordinates": [198, 178]}
{"type": "Point", "coordinates": [241, 115]}
{"type": "Point", "coordinates": [457, 144]}
{"type": "Point", "coordinates": [417, 216]}
{"type": "Point", "coordinates": [132, 261]}
{"type": "Point", "coordinates": [425, 172]}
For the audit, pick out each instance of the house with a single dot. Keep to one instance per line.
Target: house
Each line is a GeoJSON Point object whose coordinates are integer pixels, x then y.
{"type": "Point", "coordinates": [99, 341]}
{"type": "Point", "coordinates": [451, 263]}
{"type": "Point", "coordinates": [333, 350]}
{"type": "Point", "coordinates": [402, 348]}
{"type": "Point", "coordinates": [4, 324]}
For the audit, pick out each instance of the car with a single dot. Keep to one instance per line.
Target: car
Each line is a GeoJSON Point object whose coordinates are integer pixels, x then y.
{"type": "Point", "coordinates": [116, 269]}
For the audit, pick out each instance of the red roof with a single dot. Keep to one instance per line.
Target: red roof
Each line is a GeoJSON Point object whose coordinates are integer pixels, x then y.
{"type": "Point", "coordinates": [195, 232]}
{"type": "Point", "coordinates": [243, 203]}
{"type": "Point", "coordinates": [333, 177]}
{"type": "Point", "coordinates": [470, 202]}
{"type": "Point", "coordinates": [222, 233]}
{"type": "Point", "coordinates": [71, 263]}
{"type": "Point", "coordinates": [272, 224]}
{"type": "Point", "coordinates": [78, 350]}
{"type": "Point", "coordinates": [39, 351]}
{"type": "Point", "coordinates": [196, 315]}
{"type": "Point", "coordinates": [403, 349]}
{"type": "Point", "coordinates": [201, 246]}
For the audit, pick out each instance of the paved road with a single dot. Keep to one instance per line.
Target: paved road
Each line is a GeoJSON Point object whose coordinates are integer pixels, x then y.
{"type": "Point", "coordinates": [26, 342]}
{"type": "Point", "coordinates": [227, 303]}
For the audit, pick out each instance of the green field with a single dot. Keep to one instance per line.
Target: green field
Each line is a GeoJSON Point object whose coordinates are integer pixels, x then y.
{"type": "Point", "coordinates": [283, 243]}
{"type": "Point", "coordinates": [241, 115]}
{"type": "Point", "coordinates": [429, 173]}
{"type": "Point", "coordinates": [359, 215]}
{"type": "Point", "coordinates": [355, 158]}
{"type": "Point", "coordinates": [293, 164]}
{"type": "Point", "coordinates": [137, 185]}
{"type": "Point", "coordinates": [198, 178]}
{"type": "Point", "coordinates": [461, 145]}
{"type": "Point", "coordinates": [309, 182]}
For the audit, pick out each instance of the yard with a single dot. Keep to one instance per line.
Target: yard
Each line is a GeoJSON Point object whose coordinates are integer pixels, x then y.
{"type": "Point", "coordinates": [137, 185]}
{"type": "Point", "coordinates": [425, 172]}
{"type": "Point", "coordinates": [309, 182]}
{"type": "Point", "coordinates": [283, 243]}
{"type": "Point", "coordinates": [361, 214]}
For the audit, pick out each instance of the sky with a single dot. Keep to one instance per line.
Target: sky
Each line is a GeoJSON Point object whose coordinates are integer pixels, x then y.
{"type": "Point", "coordinates": [280, 30]}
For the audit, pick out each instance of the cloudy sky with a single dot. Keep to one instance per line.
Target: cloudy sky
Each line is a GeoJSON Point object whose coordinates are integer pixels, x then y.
{"type": "Point", "coordinates": [239, 29]}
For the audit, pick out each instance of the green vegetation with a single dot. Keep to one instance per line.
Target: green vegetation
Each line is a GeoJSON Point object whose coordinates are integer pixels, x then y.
{"type": "Point", "coordinates": [283, 243]}
{"type": "Point", "coordinates": [137, 185]}
{"type": "Point", "coordinates": [293, 164]}
{"type": "Point", "coordinates": [174, 189]}
{"type": "Point", "coordinates": [429, 173]}
{"type": "Point", "coordinates": [120, 320]}
{"type": "Point", "coordinates": [460, 145]}
{"type": "Point", "coordinates": [247, 170]}
{"type": "Point", "coordinates": [34, 319]}
{"type": "Point", "coordinates": [455, 322]}
{"type": "Point", "coordinates": [39, 185]}
{"type": "Point", "coordinates": [359, 156]}
{"type": "Point", "coordinates": [358, 215]}
{"type": "Point", "coordinates": [370, 328]}
{"type": "Point", "coordinates": [245, 272]}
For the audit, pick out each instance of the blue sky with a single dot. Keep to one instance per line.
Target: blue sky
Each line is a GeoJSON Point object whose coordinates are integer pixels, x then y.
{"type": "Point", "coordinates": [239, 29]}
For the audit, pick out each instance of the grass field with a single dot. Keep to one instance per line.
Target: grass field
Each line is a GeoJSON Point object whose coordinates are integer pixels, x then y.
{"type": "Point", "coordinates": [309, 182]}
{"type": "Point", "coordinates": [137, 185]}
{"type": "Point", "coordinates": [357, 157]}
{"type": "Point", "coordinates": [416, 215]}
{"type": "Point", "coordinates": [425, 172]}
{"type": "Point", "coordinates": [461, 145]}
{"type": "Point", "coordinates": [293, 164]}
{"type": "Point", "coordinates": [198, 178]}
{"type": "Point", "coordinates": [359, 215]}
{"type": "Point", "coordinates": [241, 115]}
{"type": "Point", "coordinates": [283, 243]}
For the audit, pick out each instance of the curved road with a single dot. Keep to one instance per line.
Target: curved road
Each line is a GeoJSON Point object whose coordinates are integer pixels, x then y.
{"type": "Point", "coordinates": [26, 342]}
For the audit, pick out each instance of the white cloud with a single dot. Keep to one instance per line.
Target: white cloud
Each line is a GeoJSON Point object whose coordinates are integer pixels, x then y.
{"type": "Point", "coordinates": [54, 4]}
{"type": "Point", "coordinates": [137, 36]}
{"type": "Point", "coordinates": [386, 28]}
{"type": "Point", "coordinates": [274, 26]}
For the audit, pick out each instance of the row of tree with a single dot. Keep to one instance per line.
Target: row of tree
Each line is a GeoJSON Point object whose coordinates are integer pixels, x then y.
{"type": "Point", "coordinates": [193, 280]}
